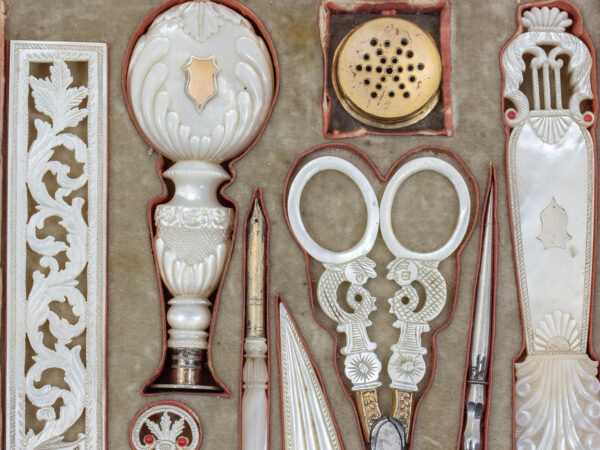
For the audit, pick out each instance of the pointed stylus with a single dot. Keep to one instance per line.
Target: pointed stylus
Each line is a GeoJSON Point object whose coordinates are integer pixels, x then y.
{"type": "Point", "coordinates": [480, 341]}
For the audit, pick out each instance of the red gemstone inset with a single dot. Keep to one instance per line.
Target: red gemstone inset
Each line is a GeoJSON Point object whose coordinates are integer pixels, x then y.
{"type": "Point", "coordinates": [148, 439]}
{"type": "Point", "coordinates": [588, 118]}
{"type": "Point", "coordinates": [511, 115]}
{"type": "Point", "coordinates": [182, 442]}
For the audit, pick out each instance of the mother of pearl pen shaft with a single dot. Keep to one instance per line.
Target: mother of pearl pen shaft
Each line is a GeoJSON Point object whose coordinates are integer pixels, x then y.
{"type": "Point", "coordinates": [255, 375]}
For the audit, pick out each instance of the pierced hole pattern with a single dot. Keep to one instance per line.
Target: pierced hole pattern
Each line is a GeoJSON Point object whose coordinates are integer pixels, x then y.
{"type": "Point", "coordinates": [390, 58]}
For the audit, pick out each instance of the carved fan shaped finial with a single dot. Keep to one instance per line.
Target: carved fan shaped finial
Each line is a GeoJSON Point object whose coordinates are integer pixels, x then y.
{"type": "Point", "coordinates": [546, 19]}
{"type": "Point", "coordinates": [558, 332]}
{"type": "Point", "coordinates": [201, 20]}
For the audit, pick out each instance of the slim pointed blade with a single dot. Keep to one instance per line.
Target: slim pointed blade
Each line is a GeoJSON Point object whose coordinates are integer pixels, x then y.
{"type": "Point", "coordinates": [481, 331]}
{"type": "Point", "coordinates": [308, 421]}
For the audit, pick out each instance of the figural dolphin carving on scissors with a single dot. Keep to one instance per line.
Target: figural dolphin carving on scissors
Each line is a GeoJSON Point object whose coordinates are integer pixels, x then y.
{"type": "Point", "coordinates": [551, 166]}
{"type": "Point", "coordinates": [406, 366]}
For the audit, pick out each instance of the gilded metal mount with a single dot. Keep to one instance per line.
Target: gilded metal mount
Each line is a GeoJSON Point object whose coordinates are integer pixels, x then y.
{"type": "Point", "coordinates": [387, 73]}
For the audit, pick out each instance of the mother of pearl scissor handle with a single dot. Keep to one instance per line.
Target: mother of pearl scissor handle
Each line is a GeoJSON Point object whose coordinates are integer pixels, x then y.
{"type": "Point", "coordinates": [407, 366]}
{"type": "Point", "coordinates": [362, 366]}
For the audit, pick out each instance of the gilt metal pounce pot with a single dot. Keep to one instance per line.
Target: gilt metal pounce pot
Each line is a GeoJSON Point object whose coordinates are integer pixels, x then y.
{"type": "Point", "coordinates": [200, 85]}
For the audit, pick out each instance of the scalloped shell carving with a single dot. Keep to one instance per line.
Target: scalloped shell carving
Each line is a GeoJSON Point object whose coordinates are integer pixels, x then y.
{"type": "Point", "coordinates": [546, 19]}
{"type": "Point", "coordinates": [558, 332]}
{"type": "Point", "coordinates": [157, 79]}
{"type": "Point", "coordinates": [557, 403]}
{"type": "Point", "coordinates": [550, 129]}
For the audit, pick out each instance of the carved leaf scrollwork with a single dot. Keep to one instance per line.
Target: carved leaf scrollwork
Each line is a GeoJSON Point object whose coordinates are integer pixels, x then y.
{"type": "Point", "coordinates": [58, 101]}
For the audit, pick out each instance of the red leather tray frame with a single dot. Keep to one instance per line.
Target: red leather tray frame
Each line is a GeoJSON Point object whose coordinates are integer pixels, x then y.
{"type": "Point", "coordinates": [161, 165]}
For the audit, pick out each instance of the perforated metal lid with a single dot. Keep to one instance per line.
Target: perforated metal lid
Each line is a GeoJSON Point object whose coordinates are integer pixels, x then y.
{"type": "Point", "coordinates": [387, 73]}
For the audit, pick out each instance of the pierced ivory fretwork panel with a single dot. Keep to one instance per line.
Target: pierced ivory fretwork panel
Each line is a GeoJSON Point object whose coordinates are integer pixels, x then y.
{"type": "Point", "coordinates": [551, 173]}
{"type": "Point", "coordinates": [56, 246]}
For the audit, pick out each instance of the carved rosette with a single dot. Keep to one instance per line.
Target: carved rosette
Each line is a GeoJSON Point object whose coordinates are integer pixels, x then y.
{"type": "Point", "coordinates": [362, 366]}
{"type": "Point", "coordinates": [165, 426]}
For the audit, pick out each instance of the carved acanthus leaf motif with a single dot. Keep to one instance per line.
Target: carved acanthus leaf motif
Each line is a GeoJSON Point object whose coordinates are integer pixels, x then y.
{"type": "Point", "coordinates": [201, 20]}
{"type": "Point", "coordinates": [557, 397]}
{"type": "Point", "coordinates": [165, 426]}
{"type": "Point", "coordinates": [56, 236]}
{"type": "Point", "coordinates": [54, 98]}
{"type": "Point", "coordinates": [554, 226]}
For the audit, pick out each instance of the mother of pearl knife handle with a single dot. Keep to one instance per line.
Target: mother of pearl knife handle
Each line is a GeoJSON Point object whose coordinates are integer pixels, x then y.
{"type": "Point", "coordinates": [200, 84]}
{"type": "Point", "coordinates": [551, 165]}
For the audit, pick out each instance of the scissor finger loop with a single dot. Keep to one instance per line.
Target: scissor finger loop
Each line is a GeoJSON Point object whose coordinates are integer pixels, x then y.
{"type": "Point", "coordinates": [364, 246]}
{"type": "Point", "coordinates": [464, 206]}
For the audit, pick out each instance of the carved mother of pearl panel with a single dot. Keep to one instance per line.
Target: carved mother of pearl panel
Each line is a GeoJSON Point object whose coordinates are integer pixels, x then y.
{"type": "Point", "coordinates": [551, 169]}
{"type": "Point", "coordinates": [551, 174]}
{"type": "Point", "coordinates": [554, 243]}
{"type": "Point", "coordinates": [56, 246]}
{"type": "Point", "coordinates": [200, 82]}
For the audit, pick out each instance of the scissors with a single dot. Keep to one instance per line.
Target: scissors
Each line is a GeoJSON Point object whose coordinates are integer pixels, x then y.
{"type": "Point", "coordinates": [406, 366]}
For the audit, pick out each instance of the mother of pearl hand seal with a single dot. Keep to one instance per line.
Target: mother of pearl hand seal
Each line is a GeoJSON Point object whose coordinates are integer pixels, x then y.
{"type": "Point", "coordinates": [200, 84]}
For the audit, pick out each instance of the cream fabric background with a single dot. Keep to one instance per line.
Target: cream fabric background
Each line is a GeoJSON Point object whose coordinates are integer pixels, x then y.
{"type": "Point", "coordinates": [479, 29]}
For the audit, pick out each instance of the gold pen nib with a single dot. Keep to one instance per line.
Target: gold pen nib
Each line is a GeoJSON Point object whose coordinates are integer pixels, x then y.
{"type": "Point", "coordinates": [255, 271]}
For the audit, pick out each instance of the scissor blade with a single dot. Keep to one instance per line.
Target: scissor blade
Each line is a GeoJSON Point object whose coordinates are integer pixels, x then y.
{"type": "Point", "coordinates": [387, 434]}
